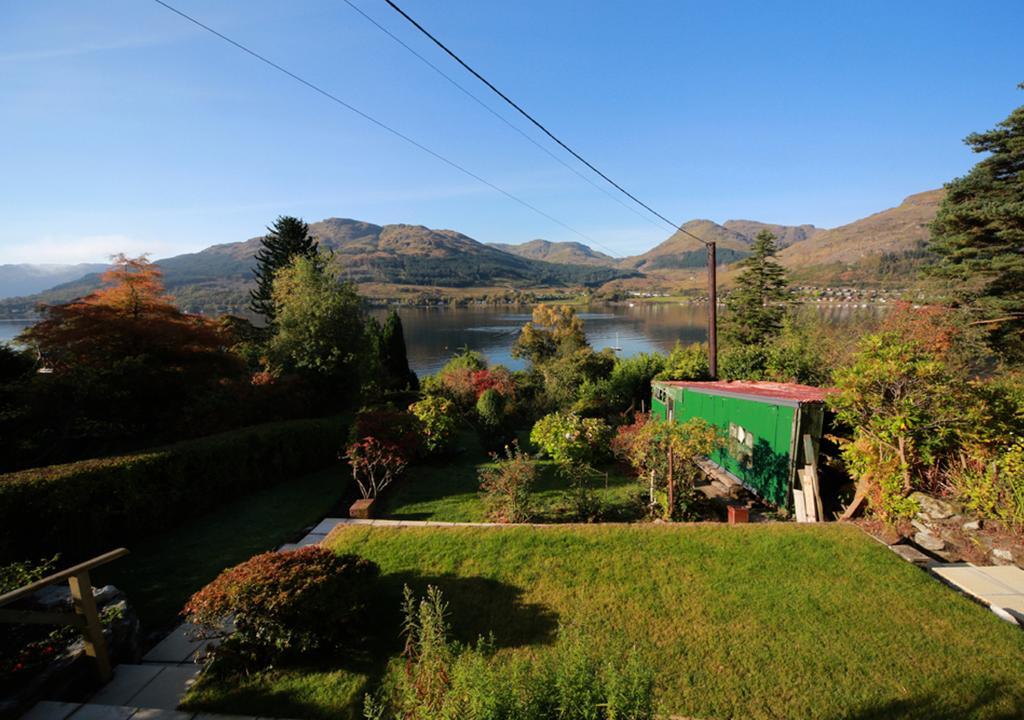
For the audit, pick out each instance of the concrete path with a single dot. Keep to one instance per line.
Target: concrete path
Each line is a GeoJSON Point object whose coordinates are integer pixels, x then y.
{"type": "Point", "coordinates": [1001, 587]}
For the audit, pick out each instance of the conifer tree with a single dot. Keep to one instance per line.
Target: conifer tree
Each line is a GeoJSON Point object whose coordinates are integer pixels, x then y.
{"type": "Point", "coordinates": [978, 235]}
{"type": "Point", "coordinates": [394, 359]}
{"type": "Point", "coordinates": [757, 304]}
{"type": "Point", "coordinates": [286, 239]}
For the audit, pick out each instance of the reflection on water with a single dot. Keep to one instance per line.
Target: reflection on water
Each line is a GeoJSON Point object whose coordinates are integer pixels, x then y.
{"type": "Point", "coordinates": [433, 335]}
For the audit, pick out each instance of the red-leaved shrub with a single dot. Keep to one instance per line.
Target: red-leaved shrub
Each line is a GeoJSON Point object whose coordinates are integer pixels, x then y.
{"type": "Point", "coordinates": [287, 602]}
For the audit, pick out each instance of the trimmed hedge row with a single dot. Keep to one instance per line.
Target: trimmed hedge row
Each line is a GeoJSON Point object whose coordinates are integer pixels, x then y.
{"type": "Point", "coordinates": [91, 506]}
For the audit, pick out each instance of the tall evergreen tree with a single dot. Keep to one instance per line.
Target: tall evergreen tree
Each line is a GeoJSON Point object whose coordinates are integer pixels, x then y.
{"type": "Point", "coordinates": [757, 304]}
{"type": "Point", "coordinates": [393, 356]}
{"type": "Point", "coordinates": [286, 239]}
{"type": "Point", "coordinates": [978, 235]}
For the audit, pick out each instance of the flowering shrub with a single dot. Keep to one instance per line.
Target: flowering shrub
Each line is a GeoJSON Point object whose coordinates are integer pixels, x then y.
{"type": "Point", "coordinates": [375, 465]}
{"type": "Point", "coordinates": [438, 423]}
{"type": "Point", "coordinates": [505, 486]}
{"type": "Point", "coordinates": [499, 379]}
{"type": "Point", "coordinates": [286, 602]}
{"type": "Point", "coordinates": [565, 437]}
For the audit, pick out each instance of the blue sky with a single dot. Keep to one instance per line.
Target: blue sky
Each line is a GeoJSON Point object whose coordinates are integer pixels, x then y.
{"type": "Point", "coordinates": [126, 128]}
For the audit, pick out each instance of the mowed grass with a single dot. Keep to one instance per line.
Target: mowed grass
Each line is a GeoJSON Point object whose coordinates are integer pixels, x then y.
{"type": "Point", "coordinates": [757, 621]}
{"type": "Point", "coordinates": [163, 571]}
{"type": "Point", "coordinates": [448, 490]}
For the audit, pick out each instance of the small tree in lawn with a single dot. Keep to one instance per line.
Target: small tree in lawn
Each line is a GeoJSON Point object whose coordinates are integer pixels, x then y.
{"type": "Point", "coordinates": [285, 240]}
{"type": "Point", "coordinates": [756, 303]}
{"type": "Point", "coordinates": [506, 485]}
{"type": "Point", "coordinates": [375, 465]}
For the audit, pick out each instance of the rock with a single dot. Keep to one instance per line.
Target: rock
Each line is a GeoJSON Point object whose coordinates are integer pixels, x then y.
{"type": "Point", "coordinates": [105, 594]}
{"type": "Point", "coordinates": [972, 526]}
{"type": "Point", "coordinates": [921, 526]}
{"type": "Point", "coordinates": [929, 541]}
{"type": "Point", "coordinates": [1000, 554]}
{"type": "Point", "coordinates": [52, 597]}
{"type": "Point", "coordinates": [933, 508]}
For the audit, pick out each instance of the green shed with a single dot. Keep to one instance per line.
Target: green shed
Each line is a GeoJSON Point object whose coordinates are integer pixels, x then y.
{"type": "Point", "coordinates": [763, 423]}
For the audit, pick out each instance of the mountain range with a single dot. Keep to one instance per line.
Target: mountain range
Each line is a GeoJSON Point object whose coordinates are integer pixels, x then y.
{"type": "Point", "coordinates": [886, 246]}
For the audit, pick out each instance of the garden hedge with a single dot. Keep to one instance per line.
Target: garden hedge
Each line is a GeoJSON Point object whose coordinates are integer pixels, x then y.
{"type": "Point", "coordinates": [91, 506]}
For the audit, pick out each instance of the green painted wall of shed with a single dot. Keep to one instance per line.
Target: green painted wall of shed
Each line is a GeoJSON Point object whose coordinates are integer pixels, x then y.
{"type": "Point", "coordinates": [764, 463]}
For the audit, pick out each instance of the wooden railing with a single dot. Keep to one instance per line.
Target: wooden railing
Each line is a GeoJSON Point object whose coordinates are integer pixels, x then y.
{"type": "Point", "coordinates": [85, 618]}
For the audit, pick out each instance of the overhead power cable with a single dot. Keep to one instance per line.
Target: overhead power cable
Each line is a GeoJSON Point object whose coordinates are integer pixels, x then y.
{"type": "Point", "coordinates": [501, 117]}
{"type": "Point", "coordinates": [536, 122]}
{"type": "Point", "coordinates": [370, 118]}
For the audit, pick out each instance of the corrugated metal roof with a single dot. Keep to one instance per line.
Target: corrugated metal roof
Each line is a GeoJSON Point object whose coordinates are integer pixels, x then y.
{"type": "Point", "coordinates": [792, 392]}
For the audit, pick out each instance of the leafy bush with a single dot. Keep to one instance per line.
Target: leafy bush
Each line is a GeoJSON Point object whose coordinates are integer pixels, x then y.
{"type": "Point", "coordinates": [689, 362]}
{"type": "Point", "coordinates": [92, 505]}
{"type": "Point", "coordinates": [904, 405]}
{"type": "Point", "coordinates": [494, 428]}
{"type": "Point", "coordinates": [566, 437]}
{"type": "Point", "coordinates": [627, 386]}
{"type": "Point", "coordinates": [439, 679]}
{"type": "Point", "coordinates": [397, 428]}
{"type": "Point", "coordinates": [375, 465]}
{"type": "Point", "coordinates": [647, 445]}
{"type": "Point", "coordinates": [438, 423]}
{"type": "Point", "coordinates": [506, 484]}
{"type": "Point", "coordinates": [742, 362]}
{"type": "Point", "coordinates": [582, 499]}
{"type": "Point", "coordinates": [280, 603]}
{"type": "Point", "coordinates": [461, 379]}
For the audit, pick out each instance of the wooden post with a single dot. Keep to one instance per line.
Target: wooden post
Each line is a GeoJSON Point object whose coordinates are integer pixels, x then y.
{"type": "Point", "coordinates": [811, 462]}
{"type": "Point", "coordinates": [712, 312]}
{"type": "Point", "coordinates": [671, 486]}
{"type": "Point", "coordinates": [85, 605]}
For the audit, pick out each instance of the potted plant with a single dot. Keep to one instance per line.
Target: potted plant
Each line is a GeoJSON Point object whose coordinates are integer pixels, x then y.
{"type": "Point", "coordinates": [375, 465]}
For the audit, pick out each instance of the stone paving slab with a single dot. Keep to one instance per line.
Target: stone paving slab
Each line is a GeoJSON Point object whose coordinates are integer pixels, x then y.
{"type": "Point", "coordinates": [161, 714]}
{"type": "Point", "coordinates": [911, 554]}
{"type": "Point", "coordinates": [326, 525]}
{"type": "Point", "coordinates": [128, 681]}
{"type": "Point", "coordinates": [48, 710]}
{"type": "Point", "coordinates": [103, 712]}
{"type": "Point", "coordinates": [165, 691]}
{"type": "Point", "coordinates": [178, 647]}
{"type": "Point", "coordinates": [998, 586]}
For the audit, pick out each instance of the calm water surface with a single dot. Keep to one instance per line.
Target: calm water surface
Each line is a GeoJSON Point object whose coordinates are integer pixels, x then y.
{"type": "Point", "coordinates": [433, 335]}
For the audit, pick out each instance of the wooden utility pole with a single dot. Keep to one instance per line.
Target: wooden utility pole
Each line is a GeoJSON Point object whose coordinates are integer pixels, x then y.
{"type": "Point", "coordinates": [712, 312]}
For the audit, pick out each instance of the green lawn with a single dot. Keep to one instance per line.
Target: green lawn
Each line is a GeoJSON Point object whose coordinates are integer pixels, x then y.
{"type": "Point", "coordinates": [448, 490]}
{"type": "Point", "coordinates": [756, 621]}
{"type": "Point", "coordinates": [164, 570]}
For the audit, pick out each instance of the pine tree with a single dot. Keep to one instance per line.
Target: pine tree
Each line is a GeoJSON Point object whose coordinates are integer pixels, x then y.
{"type": "Point", "coordinates": [757, 304]}
{"type": "Point", "coordinates": [978, 235]}
{"type": "Point", "coordinates": [287, 238]}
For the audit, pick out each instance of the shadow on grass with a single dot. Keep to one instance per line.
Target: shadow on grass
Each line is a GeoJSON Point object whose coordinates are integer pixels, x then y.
{"type": "Point", "coordinates": [477, 606]}
{"type": "Point", "coordinates": [995, 701]}
{"type": "Point", "coordinates": [334, 687]}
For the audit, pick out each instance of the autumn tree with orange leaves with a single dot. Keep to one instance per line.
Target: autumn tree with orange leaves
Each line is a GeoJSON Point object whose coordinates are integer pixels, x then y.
{"type": "Point", "coordinates": [124, 367]}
